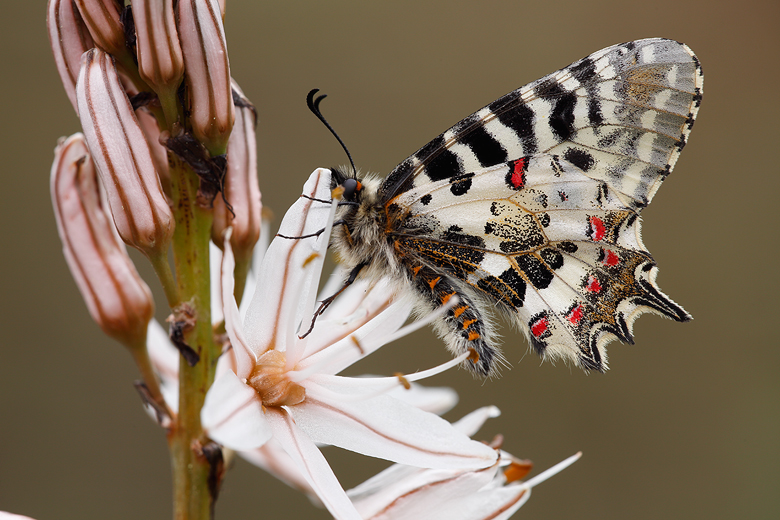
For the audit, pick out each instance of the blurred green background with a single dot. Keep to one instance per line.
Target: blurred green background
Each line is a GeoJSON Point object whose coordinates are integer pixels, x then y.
{"type": "Point", "coordinates": [686, 423]}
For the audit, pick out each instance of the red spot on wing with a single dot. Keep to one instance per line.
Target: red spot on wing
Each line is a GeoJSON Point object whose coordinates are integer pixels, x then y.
{"type": "Point", "coordinates": [593, 284]}
{"type": "Point", "coordinates": [517, 177]}
{"type": "Point", "coordinates": [540, 327]}
{"type": "Point", "coordinates": [575, 315]}
{"type": "Point", "coordinates": [597, 229]}
{"type": "Point", "coordinates": [610, 258]}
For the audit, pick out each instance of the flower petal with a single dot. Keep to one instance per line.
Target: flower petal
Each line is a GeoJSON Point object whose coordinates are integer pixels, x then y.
{"type": "Point", "coordinates": [402, 492]}
{"type": "Point", "coordinates": [10, 516]}
{"type": "Point", "coordinates": [336, 344]}
{"type": "Point", "coordinates": [471, 423]}
{"type": "Point", "coordinates": [233, 414]}
{"type": "Point", "coordinates": [245, 358]}
{"type": "Point", "coordinates": [165, 360]}
{"type": "Point", "coordinates": [313, 465]}
{"type": "Point", "coordinates": [282, 277]}
{"type": "Point", "coordinates": [436, 400]}
{"type": "Point", "coordinates": [456, 498]}
{"type": "Point", "coordinates": [272, 458]}
{"type": "Point", "coordinates": [384, 427]}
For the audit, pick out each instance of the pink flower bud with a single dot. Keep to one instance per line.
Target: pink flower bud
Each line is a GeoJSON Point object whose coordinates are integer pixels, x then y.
{"type": "Point", "coordinates": [207, 72]}
{"type": "Point", "coordinates": [241, 186]}
{"type": "Point", "coordinates": [102, 19]}
{"type": "Point", "coordinates": [118, 300]}
{"type": "Point", "coordinates": [69, 39]}
{"type": "Point", "coordinates": [151, 131]}
{"type": "Point", "coordinates": [122, 156]}
{"type": "Point", "coordinates": [160, 61]}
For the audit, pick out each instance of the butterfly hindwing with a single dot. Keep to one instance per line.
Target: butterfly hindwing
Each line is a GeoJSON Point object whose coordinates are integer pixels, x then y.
{"type": "Point", "coordinates": [558, 251]}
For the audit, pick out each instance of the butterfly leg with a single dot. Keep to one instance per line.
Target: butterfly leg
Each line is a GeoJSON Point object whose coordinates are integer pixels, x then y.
{"type": "Point", "coordinates": [464, 327]}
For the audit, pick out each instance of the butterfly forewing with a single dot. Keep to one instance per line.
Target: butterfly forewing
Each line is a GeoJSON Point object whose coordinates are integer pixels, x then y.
{"type": "Point", "coordinates": [622, 114]}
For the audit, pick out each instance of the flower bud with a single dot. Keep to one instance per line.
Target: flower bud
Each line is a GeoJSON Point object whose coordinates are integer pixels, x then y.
{"type": "Point", "coordinates": [151, 131]}
{"type": "Point", "coordinates": [160, 61]}
{"type": "Point", "coordinates": [241, 186]}
{"type": "Point", "coordinates": [207, 72]}
{"type": "Point", "coordinates": [118, 300]}
{"type": "Point", "coordinates": [102, 19]}
{"type": "Point", "coordinates": [122, 156]}
{"type": "Point", "coordinates": [69, 38]}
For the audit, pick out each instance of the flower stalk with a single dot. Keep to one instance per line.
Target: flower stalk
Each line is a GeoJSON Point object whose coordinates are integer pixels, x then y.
{"type": "Point", "coordinates": [191, 468]}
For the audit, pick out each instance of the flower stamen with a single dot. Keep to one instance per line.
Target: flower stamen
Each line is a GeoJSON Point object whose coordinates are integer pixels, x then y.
{"type": "Point", "coordinates": [270, 381]}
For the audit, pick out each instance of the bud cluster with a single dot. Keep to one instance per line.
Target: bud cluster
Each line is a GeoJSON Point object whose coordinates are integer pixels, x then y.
{"type": "Point", "coordinates": [144, 78]}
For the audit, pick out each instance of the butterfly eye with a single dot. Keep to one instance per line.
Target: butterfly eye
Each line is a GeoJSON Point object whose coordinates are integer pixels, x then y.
{"type": "Point", "coordinates": [351, 186]}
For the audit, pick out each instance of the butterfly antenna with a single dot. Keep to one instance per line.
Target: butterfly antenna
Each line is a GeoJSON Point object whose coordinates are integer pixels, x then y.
{"type": "Point", "coordinates": [314, 105]}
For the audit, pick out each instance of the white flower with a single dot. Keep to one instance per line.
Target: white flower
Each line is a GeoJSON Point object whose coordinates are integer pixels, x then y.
{"type": "Point", "coordinates": [11, 516]}
{"type": "Point", "coordinates": [404, 492]}
{"type": "Point", "coordinates": [285, 387]}
{"type": "Point", "coordinates": [275, 460]}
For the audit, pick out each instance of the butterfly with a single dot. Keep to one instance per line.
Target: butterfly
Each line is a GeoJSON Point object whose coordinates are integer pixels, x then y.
{"type": "Point", "coordinates": [529, 208]}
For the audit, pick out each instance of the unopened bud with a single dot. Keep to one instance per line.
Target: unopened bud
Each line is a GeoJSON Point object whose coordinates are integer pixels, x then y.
{"type": "Point", "coordinates": [118, 300]}
{"type": "Point", "coordinates": [241, 186]}
{"type": "Point", "coordinates": [69, 38]}
{"type": "Point", "coordinates": [122, 156]}
{"type": "Point", "coordinates": [160, 61]}
{"type": "Point", "coordinates": [207, 72]}
{"type": "Point", "coordinates": [102, 17]}
{"type": "Point", "coordinates": [151, 129]}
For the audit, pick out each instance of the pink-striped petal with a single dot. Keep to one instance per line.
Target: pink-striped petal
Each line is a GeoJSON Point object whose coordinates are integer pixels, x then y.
{"type": "Point", "coordinates": [233, 415]}
{"type": "Point", "coordinates": [312, 465]}
{"type": "Point", "coordinates": [285, 272]}
{"type": "Point", "coordinates": [384, 427]}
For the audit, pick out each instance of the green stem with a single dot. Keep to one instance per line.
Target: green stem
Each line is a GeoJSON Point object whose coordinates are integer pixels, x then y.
{"type": "Point", "coordinates": [170, 107]}
{"type": "Point", "coordinates": [192, 500]}
{"type": "Point", "coordinates": [141, 357]}
{"type": "Point", "coordinates": [163, 269]}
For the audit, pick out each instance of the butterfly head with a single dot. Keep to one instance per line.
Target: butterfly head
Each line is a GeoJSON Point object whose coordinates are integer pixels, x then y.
{"type": "Point", "coordinates": [348, 181]}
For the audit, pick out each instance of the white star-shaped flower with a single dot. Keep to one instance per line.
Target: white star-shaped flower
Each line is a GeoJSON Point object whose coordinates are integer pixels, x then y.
{"type": "Point", "coordinates": [285, 387]}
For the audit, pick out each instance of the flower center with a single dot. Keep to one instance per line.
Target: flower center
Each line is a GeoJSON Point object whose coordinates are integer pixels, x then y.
{"type": "Point", "coordinates": [269, 380]}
